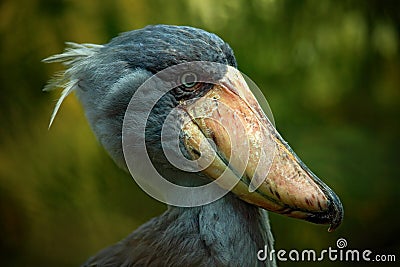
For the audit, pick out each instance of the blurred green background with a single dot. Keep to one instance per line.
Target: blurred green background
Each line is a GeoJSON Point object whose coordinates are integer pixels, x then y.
{"type": "Point", "coordinates": [329, 69]}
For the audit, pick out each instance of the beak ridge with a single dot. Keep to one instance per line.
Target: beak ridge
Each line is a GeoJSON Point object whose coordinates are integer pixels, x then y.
{"type": "Point", "coordinates": [273, 176]}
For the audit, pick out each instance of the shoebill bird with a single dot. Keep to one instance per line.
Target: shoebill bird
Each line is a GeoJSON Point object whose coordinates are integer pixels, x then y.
{"type": "Point", "coordinates": [229, 231]}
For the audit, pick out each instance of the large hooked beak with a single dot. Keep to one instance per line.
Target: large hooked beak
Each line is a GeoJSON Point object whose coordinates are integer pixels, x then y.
{"type": "Point", "coordinates": [243, 141]}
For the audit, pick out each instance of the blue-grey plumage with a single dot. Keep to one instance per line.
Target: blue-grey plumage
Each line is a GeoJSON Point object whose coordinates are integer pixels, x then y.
{"type": "Point", "coordinates": [226, 232]}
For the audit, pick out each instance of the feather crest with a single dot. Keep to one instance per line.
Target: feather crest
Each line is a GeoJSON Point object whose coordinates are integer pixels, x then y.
{"type": "Point", "coordinates": [73, 57]}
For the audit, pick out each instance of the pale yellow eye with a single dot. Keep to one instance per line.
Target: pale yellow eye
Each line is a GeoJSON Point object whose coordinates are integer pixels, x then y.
{"type": "Point", "coordinates": [189, 79]}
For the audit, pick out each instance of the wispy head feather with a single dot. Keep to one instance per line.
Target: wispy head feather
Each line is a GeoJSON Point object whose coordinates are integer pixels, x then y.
{"type": "Point", "coordinates": [72, 58]}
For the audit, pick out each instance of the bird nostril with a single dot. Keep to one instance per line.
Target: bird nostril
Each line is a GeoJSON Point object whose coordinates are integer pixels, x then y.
{"type": "Point", "coordinates": [196, 152]}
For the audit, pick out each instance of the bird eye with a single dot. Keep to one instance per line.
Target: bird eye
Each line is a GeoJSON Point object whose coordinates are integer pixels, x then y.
{"type": "Point", "coordinates": [189, 79]}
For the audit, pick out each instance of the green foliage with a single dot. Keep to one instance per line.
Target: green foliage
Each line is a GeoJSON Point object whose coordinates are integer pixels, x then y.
{"type": "Point", "coordinates": [329, 69]}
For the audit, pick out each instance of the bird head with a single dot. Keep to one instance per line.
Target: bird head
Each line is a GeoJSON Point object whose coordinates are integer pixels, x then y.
{"type": "Point", "coordinates": [216, 121]}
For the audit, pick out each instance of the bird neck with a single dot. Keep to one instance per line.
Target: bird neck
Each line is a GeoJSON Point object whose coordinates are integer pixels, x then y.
{"type": "Point", "coordinates": [230, 230]}
{"type": "Point", "coordinates": [226, 232]}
